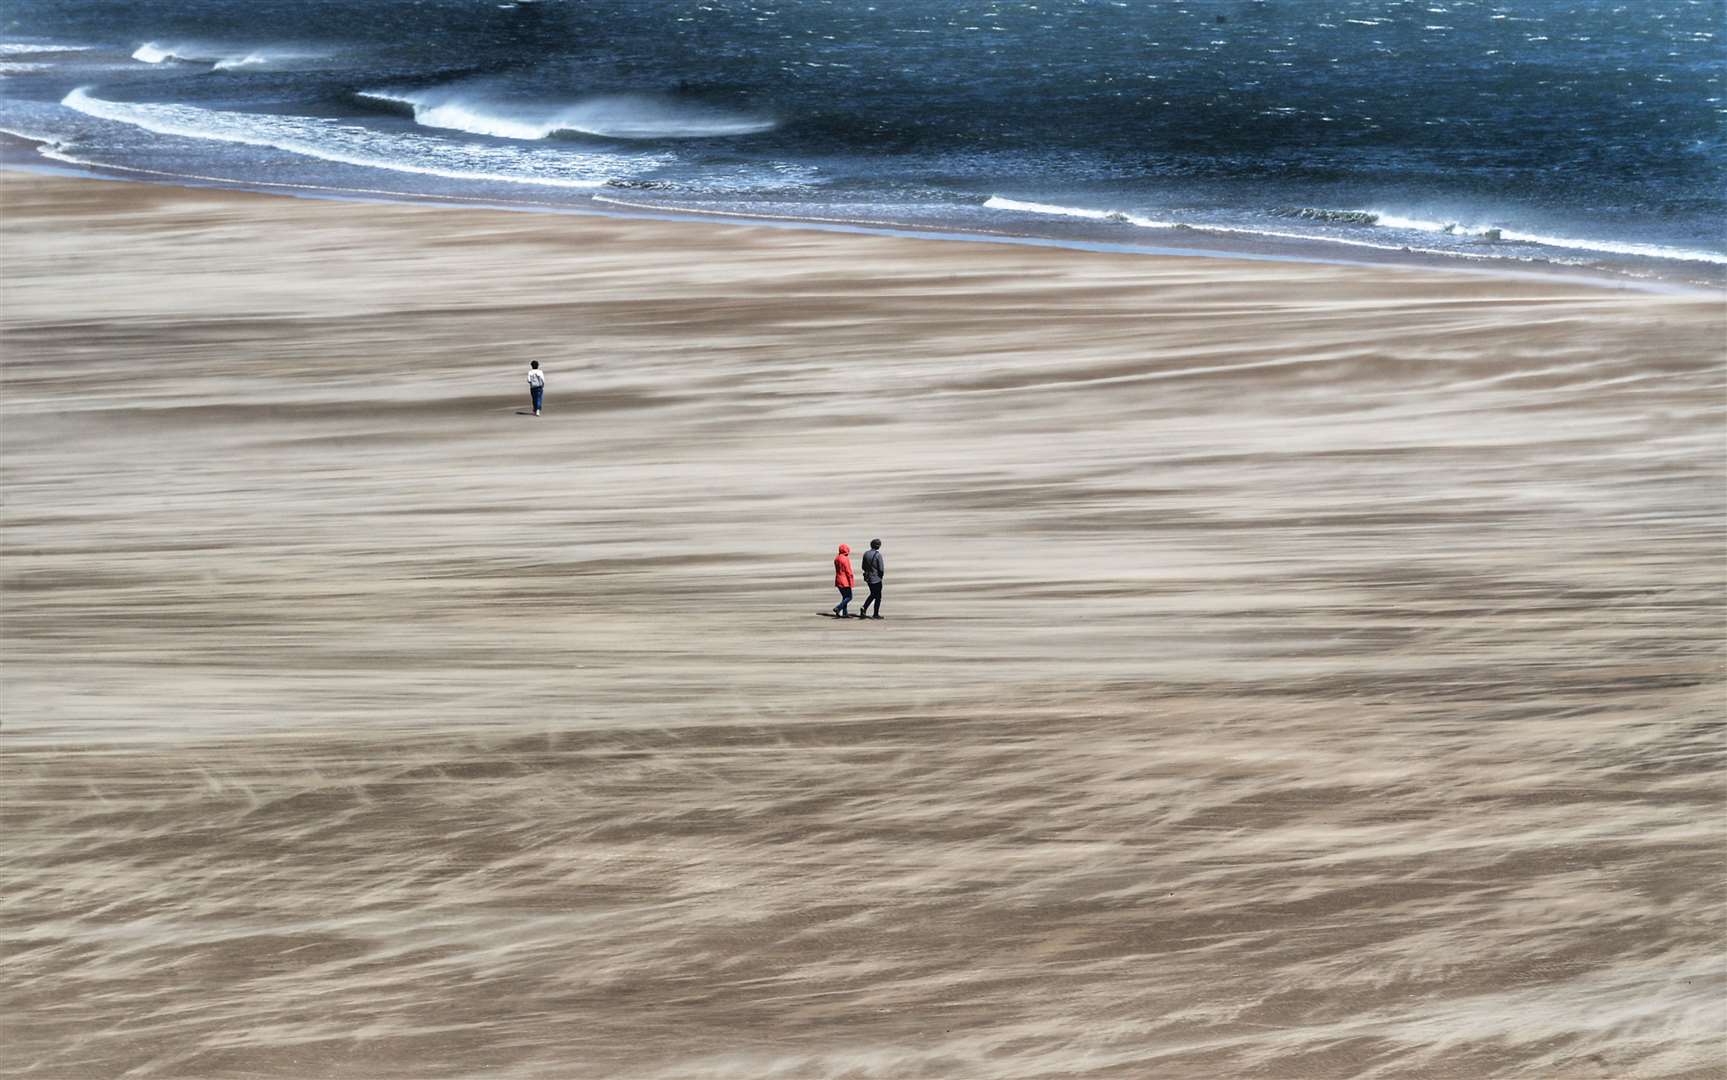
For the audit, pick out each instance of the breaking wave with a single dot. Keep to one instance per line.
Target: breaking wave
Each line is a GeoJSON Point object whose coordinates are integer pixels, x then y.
{"type": "Point", "coordinates": [996, 202]}
{"type": "Point", "coordinates": [1498, 234]}
{"type": "Point", "coordinates": [1492, 234]}
{"type": "Point", "coordinates": [617, 116]}
{"type": "Point", "coordinates": [1483, 236]}
{"type": "Point", "coordinates": [329, 140]}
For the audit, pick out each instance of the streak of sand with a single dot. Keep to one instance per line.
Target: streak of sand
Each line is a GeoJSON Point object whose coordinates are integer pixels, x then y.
{"type": "Point", "coordinates": [1290, 670]}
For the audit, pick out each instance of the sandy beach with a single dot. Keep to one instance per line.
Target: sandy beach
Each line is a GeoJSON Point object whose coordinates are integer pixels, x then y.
{"type": "Point", "coordinates": [1288, 670]}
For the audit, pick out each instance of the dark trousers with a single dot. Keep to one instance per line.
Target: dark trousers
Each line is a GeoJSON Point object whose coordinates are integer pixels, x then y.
{"type": "Point", "coordinates": [874, 598]}
{"type": "Point", "coordinates": [845, 598]}
{"type": "Point", "coordinates": [539, 393]}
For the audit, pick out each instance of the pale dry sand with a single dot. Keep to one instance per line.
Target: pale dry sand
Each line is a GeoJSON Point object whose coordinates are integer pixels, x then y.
{"type": "Point", "coordinates": [1290, 671]}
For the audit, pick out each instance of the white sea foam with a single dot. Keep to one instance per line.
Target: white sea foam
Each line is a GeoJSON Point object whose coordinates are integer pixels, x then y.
{"type": "Point", "coordinates": [29, 136]}
{"type": "Point", "coordinates": [25, 48]}
{"type": "Point", "coordinates": [996, 202]}
{"type": "Point", "coordinates": [56, 151]}
{"type": "Point", "coordinates": [616, 116]}
{"type": "Point", "coordinates": [1491, 232]}
{"type": "Point", "coordinates": [327, 140]}
{"type": "Point", "coordinates": [249, 60]}
{"type": "Point", "coordinates": [1500, 234]}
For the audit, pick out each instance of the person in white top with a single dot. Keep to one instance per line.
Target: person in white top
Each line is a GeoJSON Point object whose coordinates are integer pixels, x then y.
{"type": "Point", "coordinates": [536, 384]}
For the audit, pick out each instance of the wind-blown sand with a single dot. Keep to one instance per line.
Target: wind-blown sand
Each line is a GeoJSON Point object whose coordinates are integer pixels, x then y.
{"type": "Point", "coordinates": [1289, 671]}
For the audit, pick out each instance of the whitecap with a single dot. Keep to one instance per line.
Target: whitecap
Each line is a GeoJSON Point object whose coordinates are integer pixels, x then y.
{"type": "Point", "coordinates": [996, 202]}
{"type": "Point", "coordinates": [220, 58]}
{"type": "Point", "coordinates": [615, 116]}
{"type": "Point", "coordinates": [152, 53]}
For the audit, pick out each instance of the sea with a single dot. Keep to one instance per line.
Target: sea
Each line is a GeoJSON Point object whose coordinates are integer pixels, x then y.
{"type": "Point", "coordinates": [1548, 135]}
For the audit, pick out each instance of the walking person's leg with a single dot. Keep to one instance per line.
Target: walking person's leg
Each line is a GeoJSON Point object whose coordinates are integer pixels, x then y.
{"type": "Point", "coordinates": [874, 598]}
{"type": "Point", "coordinates": [539, 398]}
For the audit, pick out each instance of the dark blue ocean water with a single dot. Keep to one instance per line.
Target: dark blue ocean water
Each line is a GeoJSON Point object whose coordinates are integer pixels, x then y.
{"type": "Point", "coordinates": [1533, 130]}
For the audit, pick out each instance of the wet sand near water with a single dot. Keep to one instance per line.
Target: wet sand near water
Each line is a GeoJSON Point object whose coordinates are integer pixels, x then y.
{"type": "Point", "coordinates": [1288, 671]}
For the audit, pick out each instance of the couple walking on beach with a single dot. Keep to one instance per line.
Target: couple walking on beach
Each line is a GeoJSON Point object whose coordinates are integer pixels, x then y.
{"type": "Point", "coordinates": [874, 568]}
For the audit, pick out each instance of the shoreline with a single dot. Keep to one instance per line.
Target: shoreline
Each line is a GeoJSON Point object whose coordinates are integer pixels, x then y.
{"type": "Point", "coordinates": [602, 205]}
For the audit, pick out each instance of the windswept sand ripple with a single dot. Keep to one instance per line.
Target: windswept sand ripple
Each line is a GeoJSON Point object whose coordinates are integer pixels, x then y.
{"type": "Point", "coordinates": [1290, 671]}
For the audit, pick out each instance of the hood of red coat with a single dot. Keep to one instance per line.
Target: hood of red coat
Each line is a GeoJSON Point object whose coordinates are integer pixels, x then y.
{"type": "Point", "coordinates": [845, 549]}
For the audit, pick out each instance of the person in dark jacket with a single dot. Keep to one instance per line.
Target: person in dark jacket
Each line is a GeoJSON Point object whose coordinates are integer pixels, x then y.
{"type": "Point", "coordinates": [873, 569]}
{"type": "Point", "coordinates": [843, 580]}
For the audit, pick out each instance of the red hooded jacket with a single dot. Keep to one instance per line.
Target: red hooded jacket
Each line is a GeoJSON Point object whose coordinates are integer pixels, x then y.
{"type": "Point", "coordinates": [843, 567]}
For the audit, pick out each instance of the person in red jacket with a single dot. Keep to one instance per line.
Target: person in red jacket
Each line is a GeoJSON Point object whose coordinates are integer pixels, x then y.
{"type": "Point", "coordinates": [843, 581]}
